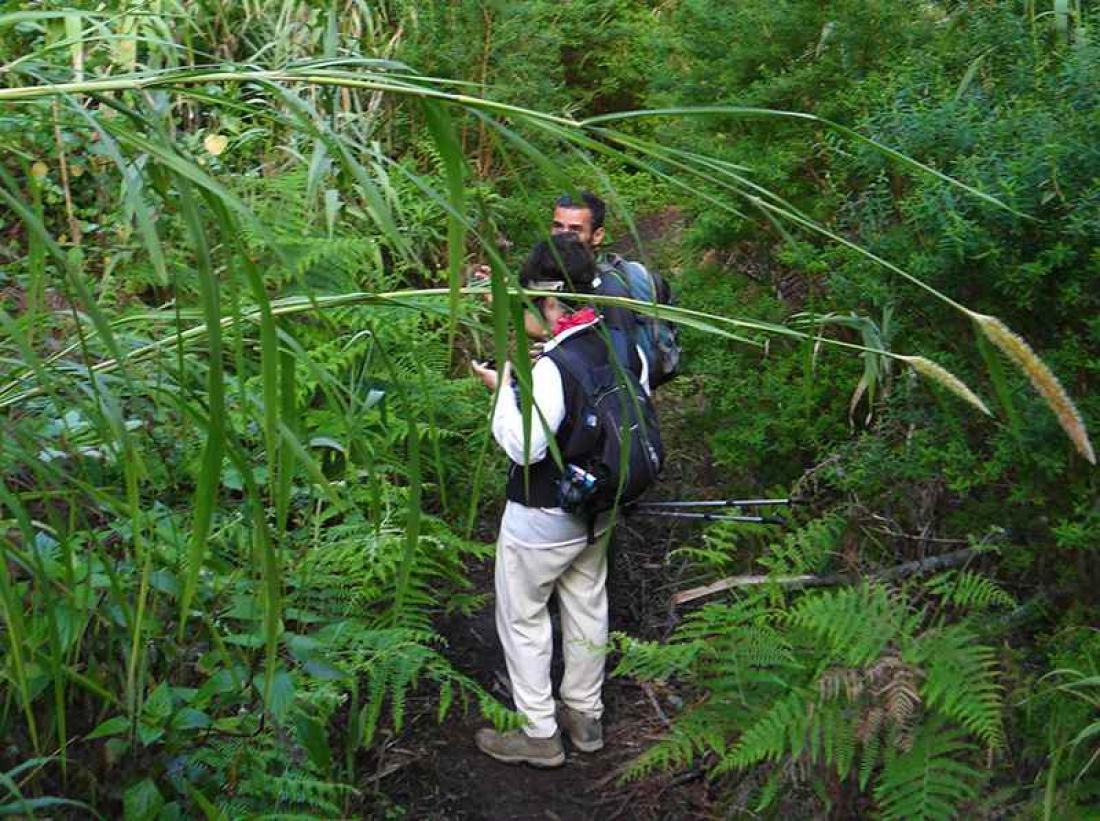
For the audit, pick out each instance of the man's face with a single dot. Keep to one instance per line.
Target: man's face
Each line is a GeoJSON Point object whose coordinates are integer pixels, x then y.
{"type": "Point", "coordinates": [576, 221]}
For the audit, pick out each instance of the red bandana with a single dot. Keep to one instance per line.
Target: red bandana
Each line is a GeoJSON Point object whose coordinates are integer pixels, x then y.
{"type": "Point", "coordinates": [582, 317]}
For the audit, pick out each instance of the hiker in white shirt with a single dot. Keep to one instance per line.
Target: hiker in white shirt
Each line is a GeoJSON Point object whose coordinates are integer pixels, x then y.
{"type": "Point", "coordinates": [541, 548]}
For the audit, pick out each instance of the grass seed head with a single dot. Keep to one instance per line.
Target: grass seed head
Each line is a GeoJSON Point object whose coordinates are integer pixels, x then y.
{"type": "Point", "coordinates": [1046, 383]}
{"type": "Point", "coordinates": [938, 373]}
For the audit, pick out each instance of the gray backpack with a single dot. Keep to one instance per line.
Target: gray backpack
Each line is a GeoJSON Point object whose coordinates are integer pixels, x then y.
{"type": "Point", "coordinates": [659, 339]}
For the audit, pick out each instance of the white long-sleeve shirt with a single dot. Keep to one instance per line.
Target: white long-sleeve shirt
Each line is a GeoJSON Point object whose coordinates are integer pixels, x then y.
{"type": "Point", "coordinates": [541, 527]}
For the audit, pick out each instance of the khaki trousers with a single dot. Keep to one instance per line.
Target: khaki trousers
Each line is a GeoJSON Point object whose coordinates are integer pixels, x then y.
{"type": "Point", "coordinates": [525, 579]}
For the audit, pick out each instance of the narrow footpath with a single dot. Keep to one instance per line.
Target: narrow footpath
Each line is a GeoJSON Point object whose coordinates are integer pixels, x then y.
{"type": "Point", "coordinates": [434, 771]}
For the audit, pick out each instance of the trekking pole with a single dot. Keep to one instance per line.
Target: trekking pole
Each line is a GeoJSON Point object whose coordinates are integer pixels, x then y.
{"type": "Point", "coordinates": [689, 510]}
{"type": "Point", "coordinates": [715, 503]}
{"type": "Point", "coordinates": [709, 517]}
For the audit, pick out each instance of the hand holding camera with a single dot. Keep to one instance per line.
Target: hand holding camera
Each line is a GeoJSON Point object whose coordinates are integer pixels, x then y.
{"type": "Point", "coordinates": [487, 373]}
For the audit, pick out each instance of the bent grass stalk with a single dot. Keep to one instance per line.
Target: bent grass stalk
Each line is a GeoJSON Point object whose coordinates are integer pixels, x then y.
{"type": "Point", "coordinates": [708, 323]}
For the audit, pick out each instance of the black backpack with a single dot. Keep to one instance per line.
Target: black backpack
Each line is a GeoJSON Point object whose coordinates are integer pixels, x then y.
{"type": "Point", "coordinates": [658, 338]}
{"type": "Point", "coordinates": [613, 452]}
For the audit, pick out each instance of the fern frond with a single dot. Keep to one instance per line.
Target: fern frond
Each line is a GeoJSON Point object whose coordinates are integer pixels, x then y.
{"type": "Point", "coordinates": [895, 683]}
{"type": "Point", "coordinates": [782, 729]}
{"type": "Point", "coordinates": [717, 619]}
{"type": "Point", "coordinates": [653, 661]}
{"type": "Point", "coordinates": [835, 679]}
{"type": "Point", "coordinates": [870, 733]}
{"type": "Point", "coordinates": [715, 561]}
{"type": "Point", "coordinates": [961, 680]}
{"type": "Point", "coordinates": [969, 590]}
{"type": "Point", "coordinates": [697, 731]}
{"type": "Point", "coordinates": [805, 550]}
{"type": "Point", "coordinates": [854, 623]}
{"type": "Point", "coordinates": [930, 781]}
{"type": "Point", "coordinates": [832, 738]}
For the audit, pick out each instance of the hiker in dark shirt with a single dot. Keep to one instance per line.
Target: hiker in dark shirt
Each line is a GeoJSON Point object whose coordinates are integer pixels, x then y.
{"type": "Point", "coordinates": [583, 217]}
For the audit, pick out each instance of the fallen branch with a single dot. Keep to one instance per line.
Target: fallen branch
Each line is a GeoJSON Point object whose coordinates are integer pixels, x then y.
{"type": "Point", "coordinates": [647, 688]}
{"type": "Point", "coordinates": [899, 571]}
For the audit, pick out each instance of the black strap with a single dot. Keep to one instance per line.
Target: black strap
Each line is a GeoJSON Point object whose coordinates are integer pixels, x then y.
{"type": "Point", "coordinates": [576, 366]}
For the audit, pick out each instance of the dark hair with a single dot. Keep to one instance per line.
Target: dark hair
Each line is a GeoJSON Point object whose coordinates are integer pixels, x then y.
{"type": "Point", "coordinates": [589, 201]}
{"type": "Point", "coordinates": [562, 258]}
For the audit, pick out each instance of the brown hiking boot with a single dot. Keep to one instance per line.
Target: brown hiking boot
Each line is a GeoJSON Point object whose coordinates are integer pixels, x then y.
{"type": "Point", "coordinates": [516, 747]}
{"type": "Point", "coordinates": [585, 732]}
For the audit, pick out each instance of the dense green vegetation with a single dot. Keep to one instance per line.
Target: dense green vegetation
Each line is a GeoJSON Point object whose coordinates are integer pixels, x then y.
{"type": "Point", "coordinates": [243, 464]}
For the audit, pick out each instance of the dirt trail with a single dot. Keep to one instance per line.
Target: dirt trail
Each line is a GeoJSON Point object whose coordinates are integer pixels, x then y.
{"type": "Point", "coordinates": [442, 775]}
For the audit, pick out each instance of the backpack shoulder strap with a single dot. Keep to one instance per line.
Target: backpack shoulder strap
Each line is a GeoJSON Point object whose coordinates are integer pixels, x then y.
{"type": "Point", "coordinates": [574, 364]}
{"type": "Point", "coordinates": [623, 270]}
{"type": "Point", "coordinates": [610, 261]}
{"type": "Point", "coordinates": [613, 265]}
{"type": "Point", "coordinates": [620, 347]}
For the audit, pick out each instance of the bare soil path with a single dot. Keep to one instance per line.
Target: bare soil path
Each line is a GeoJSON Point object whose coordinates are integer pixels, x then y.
{"type": "Point", "coordinates": [438, 773]}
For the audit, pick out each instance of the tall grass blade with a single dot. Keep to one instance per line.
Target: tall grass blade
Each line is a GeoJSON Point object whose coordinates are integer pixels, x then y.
{"type": "Point", "coordinates": [209, 481]}
{"type": "Point", "coordinates": [970, 73]}
{"type": "Point", "coordinates": [288, 396]}
{"type": "Point", "coordinates": [1061, 20]}
{"type": "Point", "coordinates": [994, 365]}
{"type": "Point", "coordinates": [54, 662]}
{"type": "Point", "coordinates": [412, 519]}
{"type": "Point", "coordinates": [16, 629]}
{"type": "Point", "coordinates": [71, 262]}
{"type": "Point", "coordinates": [441, 127]}
{"type": "Point", "coordinates": [747, 112]}
{"type": "Point", "coordinates": [269, 352]}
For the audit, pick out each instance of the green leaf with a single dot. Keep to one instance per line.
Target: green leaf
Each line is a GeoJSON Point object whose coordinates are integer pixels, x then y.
{"type": "Point", "coordinates": [158, 706]}
{"type": "Point", "coordinates": [149, 734]}
{"type": "Point", "coordinates": [25, 807]}
{"type": "Point", "coordinates": [112, 726]}
{"type": "Point", "coordinates": [142, 801]}
{"type": "Point", "coordinates": [209, 809]}
{"type": "Point", "coordinates": [190, 719]}
{"type": "Point", "coordinates": [930, 781]}
{"type": "Point", "coordinates": [279, 696]}
{"type": "Point", "coordinates": [312, 735]}
{"type": "Point", "coordinates": [320, 669]}
{"type": "Point", "coordinates": [158, 703]}
{"type": "Point", "coordinates": [164, 581]}
{"type": "Point", "coordinates": [223, 681]}
{"type": "Point", "coordinates": [171, 812]}
{"type": "Point", "coordinates": [206, 489]}
{"type": "Point", "coordinates": [442, 129]}
{"type": "Point", "coordinates": [245, 639]}
{"type": "Point", "coordinates": [328, 442]}
{"type": "Point", "coordinates": [412, 522]}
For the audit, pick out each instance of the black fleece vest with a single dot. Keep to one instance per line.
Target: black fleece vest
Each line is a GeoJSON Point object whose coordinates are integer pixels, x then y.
{"type": "Point", "coordinates": [537, 484]}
